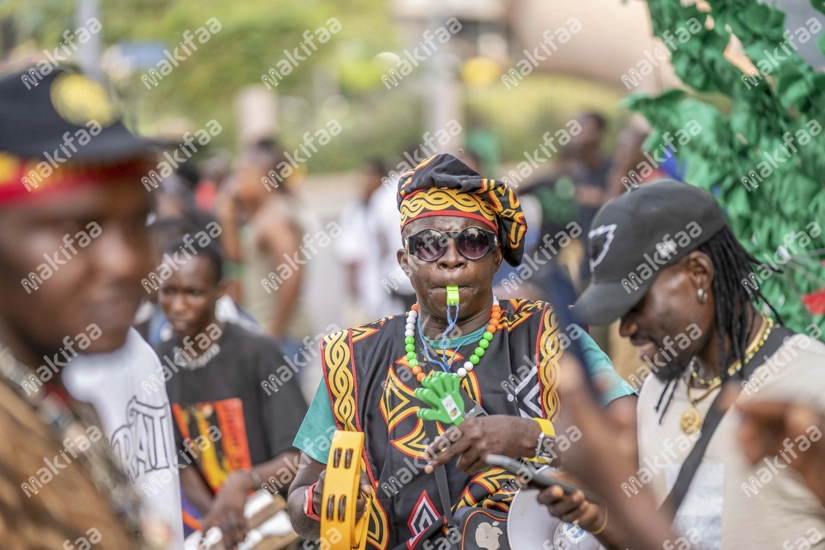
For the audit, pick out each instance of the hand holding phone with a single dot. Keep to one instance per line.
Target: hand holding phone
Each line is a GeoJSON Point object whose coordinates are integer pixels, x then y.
{"type": "Point", "coordinates": [526, 470]}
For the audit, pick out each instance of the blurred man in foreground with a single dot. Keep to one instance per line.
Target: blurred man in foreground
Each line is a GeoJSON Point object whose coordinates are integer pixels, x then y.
{"type": "Point", "coordinates": [665, 261]}
{"type": "Point", "coordinates": [230, 392]}
{"type": "Point", "coordinates": [73, 249]}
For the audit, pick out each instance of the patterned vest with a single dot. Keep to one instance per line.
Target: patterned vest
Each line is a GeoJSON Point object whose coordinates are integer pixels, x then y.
{"type": "Point", "coordinates": [371, 390]}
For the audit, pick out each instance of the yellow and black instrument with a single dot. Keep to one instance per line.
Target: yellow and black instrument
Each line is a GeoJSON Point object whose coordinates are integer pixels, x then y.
{"type": "Point", "coordinates": [341, 491]}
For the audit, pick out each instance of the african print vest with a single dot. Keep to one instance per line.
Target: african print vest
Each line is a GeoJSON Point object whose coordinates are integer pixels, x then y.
{"type": "Point", "coordinates": [371, 391]}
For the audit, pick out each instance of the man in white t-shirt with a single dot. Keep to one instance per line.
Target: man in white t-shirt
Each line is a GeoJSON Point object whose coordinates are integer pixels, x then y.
{"type": "Point", "coordinates": [127, 390]}
{"type": "Point", "coordinates": [666, 263]}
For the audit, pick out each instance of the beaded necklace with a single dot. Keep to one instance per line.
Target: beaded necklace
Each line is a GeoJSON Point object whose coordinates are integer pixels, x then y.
{"type": "Point", "coordinates": [482, 345]}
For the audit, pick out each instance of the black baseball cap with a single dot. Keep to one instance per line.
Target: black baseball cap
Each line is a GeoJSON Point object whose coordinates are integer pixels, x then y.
{"type": "Point", "coordinates": [37, 110]}
{"type": "Point", "coordinates": [635, 235]}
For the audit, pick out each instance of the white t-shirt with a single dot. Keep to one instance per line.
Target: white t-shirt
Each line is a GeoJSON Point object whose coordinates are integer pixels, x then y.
{"type": "Point", "coordinates": [136, 417]}
{"type": "Point", "coordinates": [732, 504]}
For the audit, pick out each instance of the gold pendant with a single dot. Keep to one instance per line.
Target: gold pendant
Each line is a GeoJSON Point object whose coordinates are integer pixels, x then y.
{"type": "Point", "coordinates": [691, 420]}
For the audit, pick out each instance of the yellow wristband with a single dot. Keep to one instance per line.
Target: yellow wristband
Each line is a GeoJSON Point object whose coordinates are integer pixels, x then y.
{"type": "Point", "coordinates": [546, 427]}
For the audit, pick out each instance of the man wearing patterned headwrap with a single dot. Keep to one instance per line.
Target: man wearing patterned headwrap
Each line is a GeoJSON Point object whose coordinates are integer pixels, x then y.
{"type": "Point", "coordinates": [457, 227]}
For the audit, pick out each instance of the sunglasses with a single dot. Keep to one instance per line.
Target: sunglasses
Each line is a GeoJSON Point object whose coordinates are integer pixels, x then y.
{"type": "Point", "coordinates": [473, 243]}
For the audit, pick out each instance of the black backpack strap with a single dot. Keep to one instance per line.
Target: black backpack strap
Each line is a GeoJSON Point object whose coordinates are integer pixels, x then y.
{"type": "Point", "coordinates": [714, 417]}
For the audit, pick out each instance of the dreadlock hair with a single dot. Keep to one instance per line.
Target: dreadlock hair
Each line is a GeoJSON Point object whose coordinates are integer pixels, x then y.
{"type": "Point", "coordinates": [733, 289]}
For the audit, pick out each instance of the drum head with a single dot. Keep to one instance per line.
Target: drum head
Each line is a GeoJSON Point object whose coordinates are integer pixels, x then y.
{"type": "Point", "coordinates": [531, 527]}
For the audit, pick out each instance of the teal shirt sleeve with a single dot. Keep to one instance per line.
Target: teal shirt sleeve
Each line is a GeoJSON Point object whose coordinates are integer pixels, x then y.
{"type": "Point", "coordinates": [315, 435]}
{"type": "Point", "coordinates": [600, 367]}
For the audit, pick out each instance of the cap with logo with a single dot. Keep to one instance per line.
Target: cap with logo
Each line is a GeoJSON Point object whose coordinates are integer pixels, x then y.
{"type": "Point", "coordinates": [60, 133]}
{"type": "Point", "coordinates": [637, 234]}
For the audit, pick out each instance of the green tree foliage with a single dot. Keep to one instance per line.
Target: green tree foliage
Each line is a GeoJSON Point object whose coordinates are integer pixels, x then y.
{"type": "Point", "coordinates": [769, 205]}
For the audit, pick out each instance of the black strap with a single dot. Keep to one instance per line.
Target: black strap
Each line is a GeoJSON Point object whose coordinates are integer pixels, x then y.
{"type": "Point", "coordinates": [715, 414]}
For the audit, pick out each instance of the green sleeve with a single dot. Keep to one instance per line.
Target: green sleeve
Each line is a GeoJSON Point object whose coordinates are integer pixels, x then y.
{"type": "Point", "coordinates": [599, 365]}
{"type": "Point", "coordinates": [315, 434]}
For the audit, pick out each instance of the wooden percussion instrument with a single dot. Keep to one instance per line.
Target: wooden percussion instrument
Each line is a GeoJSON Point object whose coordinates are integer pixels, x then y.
{"type": "Point", "coordinates": [341, 490]}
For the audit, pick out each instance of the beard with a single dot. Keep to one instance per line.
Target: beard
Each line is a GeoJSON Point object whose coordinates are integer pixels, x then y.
{"type": "Point", "coordinates": [672, 370]}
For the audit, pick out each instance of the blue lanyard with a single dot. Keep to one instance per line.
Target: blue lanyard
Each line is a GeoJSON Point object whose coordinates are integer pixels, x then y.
{"type": "Point", "coordinates": [451, 323]}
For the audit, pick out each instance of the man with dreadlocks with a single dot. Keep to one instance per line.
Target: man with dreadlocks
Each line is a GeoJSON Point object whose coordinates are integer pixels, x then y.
{"type": "Point", "coordinates": [665, 261]}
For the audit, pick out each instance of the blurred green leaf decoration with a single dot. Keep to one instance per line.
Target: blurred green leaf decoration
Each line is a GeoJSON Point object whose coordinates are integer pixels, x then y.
{"type": "Point", "coordinates": [768, 204]}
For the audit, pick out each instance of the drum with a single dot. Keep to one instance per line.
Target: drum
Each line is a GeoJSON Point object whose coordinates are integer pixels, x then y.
{"type": "Point", "coordinates": [269, 527]}
{"type": "Point", "coordinates": [531, 527]}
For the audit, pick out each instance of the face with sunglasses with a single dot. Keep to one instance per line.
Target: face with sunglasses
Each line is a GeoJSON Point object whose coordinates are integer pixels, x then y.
{"type": "Point", "coordinates": [449, 250]}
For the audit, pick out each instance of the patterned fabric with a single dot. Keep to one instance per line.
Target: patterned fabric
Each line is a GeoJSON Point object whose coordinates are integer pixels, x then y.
{"type": "Point", "coordinates": [371, 390]}
{"type": "Point", "coordinates": [50, 492]}
{"type": "Point", "coordinates": [442, 185]}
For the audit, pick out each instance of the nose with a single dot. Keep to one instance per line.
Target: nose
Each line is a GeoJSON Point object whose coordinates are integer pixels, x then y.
{"type": "Point", "coordinates": [452, 259]}
{"type": "Point", "coordinates": [628, 326]}
{"type": "Point", "coordinates": [177, 304]}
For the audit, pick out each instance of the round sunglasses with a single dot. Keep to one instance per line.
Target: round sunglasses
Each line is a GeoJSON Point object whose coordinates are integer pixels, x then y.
{"type": "Point", "coordinates": [473, 243]}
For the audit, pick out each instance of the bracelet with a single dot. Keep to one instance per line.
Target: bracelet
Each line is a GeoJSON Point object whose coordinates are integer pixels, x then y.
{"type": "Point", "coordinates": [308, 511]}
{"type": "Point", "coordinates": [602, 528]}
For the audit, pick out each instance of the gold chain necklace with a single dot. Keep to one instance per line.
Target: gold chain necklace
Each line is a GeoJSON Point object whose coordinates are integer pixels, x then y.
{"type": "Point", "coordinates": [692, 419]}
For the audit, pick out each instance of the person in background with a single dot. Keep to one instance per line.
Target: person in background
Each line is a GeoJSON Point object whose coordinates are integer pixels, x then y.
{"type": "Point", "coordinates": [272, 234]}
{"type": "Point", "coordinates": [700, 328]}
{"type": "Point", "coordinates": [73, 250]}
{"type": "Point", "coordinates": [351, 249]}
{"type": "Point", "coordinates": [624, 172]}
{"type": "Point", "coordinates": [229, 388]}
{"type": "Point", "coordinates": [590, 166]}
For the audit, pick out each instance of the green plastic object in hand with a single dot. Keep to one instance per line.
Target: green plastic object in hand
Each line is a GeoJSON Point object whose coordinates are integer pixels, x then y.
{"type": "Point", "coordinates": [452, 295]}
{"type": "Point", "coordinates": [441, 393]}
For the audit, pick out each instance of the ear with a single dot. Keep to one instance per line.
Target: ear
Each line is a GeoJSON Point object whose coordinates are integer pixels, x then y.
{"type": "Point", "coordinates": [223, 285]}
{"type": "Point", "coordinates": [499, 257]}
{"type": "Point", "coordinates": [700, 270]}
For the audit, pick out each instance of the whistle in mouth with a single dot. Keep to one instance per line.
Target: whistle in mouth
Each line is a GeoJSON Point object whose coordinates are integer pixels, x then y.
{"type": "Point", "coordinates": [452, 295]}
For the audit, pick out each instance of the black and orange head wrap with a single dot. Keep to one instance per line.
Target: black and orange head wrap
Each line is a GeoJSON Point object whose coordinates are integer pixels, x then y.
{"type": "Point", "coordinates": [442, 185]}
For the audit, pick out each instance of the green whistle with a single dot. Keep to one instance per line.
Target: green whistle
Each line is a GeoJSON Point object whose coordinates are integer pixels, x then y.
{"type": "Point", "coordinates": [441, 393]}
{"type": "Point", "coordinates": [452, 295]}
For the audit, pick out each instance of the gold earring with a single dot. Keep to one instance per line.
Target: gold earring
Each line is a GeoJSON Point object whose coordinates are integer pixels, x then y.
{"type": "Point", "coordinates": [701, 295]}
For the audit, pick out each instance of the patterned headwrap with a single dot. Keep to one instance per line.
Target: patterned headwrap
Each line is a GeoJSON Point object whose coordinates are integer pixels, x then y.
{"type": "Point", "coordinates": [442, 185]}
